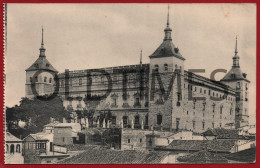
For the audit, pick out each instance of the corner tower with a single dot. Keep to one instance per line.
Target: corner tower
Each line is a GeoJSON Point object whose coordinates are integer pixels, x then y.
{"type": "Point", "coordinates": [40, 74]}
{"type": "Point", "coordinates": [238, 81]}
{"type": "Point", "coordinates": [165, 103]}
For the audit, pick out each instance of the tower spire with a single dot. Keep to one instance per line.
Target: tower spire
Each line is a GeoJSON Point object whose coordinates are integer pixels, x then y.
{"type": "Point", "coordinates": [42, 49]}
{"type": "Point", "coordinates": [168, 30]}
{"type": "Point", "coordinates": [236, 47]}
{"type": "Point", "coordinates": [168, 22]}
{"type": "Point", "coordinates": [236, 57]}
{"type": "Point", "coordinates": [42, 44]}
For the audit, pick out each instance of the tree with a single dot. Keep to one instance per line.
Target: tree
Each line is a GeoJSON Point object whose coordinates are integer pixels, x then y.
{"type": "Point", "coordinates": [91, 108]}
{"type": "Point", "coordinates": [36, 113]}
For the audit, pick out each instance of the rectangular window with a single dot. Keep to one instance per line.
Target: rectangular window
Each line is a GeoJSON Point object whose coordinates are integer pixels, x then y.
{"type": "Point", "coordinates": [209, 92]}
{"type": "Point", "coordinates": [200, 90]}
{"type": "Point", "coordinates": [63, 139]}
{"type": "Point", "coordinates": [177, 123]}
{"type": "Point", "coordinates": [193, 124]}
{"type": "Point", "coordinates": [128, 141]}
{"type": "Point", "coordinates": [141, 140]}
{"type": "Point", "coordinates": [113, 120]}
{"type": "Point", "coordinates": [203, 125]}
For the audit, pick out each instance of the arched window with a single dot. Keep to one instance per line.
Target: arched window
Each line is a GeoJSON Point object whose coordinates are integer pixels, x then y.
{"type": "Point", "coordinates": [156, 67]}
{"type": "Point", "coordinates": [12, 148]}
{"type": "Point", "coordinates": [166, 67]}
{"type": "Point", "coordinates": [45, 79]}
{"type": "Point", "coordinates": [159, 119]}
{"type": "Point", "coordinates": [50, 80]}
{"type": "Point", "coordinates": [137, 119]}
{"type": "Point", "coordinates": [18, 148]}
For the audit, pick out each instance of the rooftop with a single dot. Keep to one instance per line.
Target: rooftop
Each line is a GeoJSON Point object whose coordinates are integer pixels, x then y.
{"type": "Point", "coordinates": [11, 138]}
{"type": "Point", "coordinates": [108, 156]}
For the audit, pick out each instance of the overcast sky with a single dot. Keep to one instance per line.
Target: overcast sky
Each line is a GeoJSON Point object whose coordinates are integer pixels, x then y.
{"type": "Point", "coordinates": [82, 36]}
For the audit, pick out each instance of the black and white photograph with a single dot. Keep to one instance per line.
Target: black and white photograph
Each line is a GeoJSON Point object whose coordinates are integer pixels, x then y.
{"type": "Point", "coordinates": [129, 83]}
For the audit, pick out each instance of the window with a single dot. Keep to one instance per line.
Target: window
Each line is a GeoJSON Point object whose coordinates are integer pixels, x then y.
{"type": "Point", "coordinates": [179, 96]}
{"type": "Point", "coordinates": [80, 81]}
{"type": "Point", "coordinates": [113, 120]}
{"type": "Point", "coordinates": [156, 68]}
{"type": "Point", "coordinates": [195, 89]}
{"type": "Point", "coordinates": [36, 78]}
{"type": "Point", "coordinates": [166, 67]}
{"type": "Point", "coordinates": [200, 90]}
{"type": "Point", "coordinates": [187, 112]}
{"type": "Point", "coordinates": [128, 141]}
{"type": "Point", "coordinates": [63, 139]}
{"type": "Point", "coordinates": [177, 123]}
{"type": "Point", "coordinates": [18, 148]}
{"type": "Point", "coordinates": [213, 94]}
{"type": "Point", "coordinates": [50, 80]}
{"type": "Point", "coordinates": [209, 92]}
{"type": "Point", "coordinates": [204, 105]}
{"type": "Point", "coordinates": [213, 125]}
{"type": "Point", "coordinates": [125, 120]}
{"type": "Point", "coordinates": [193, 124]}
{"type": "Point", "coordinates": [203, 125]}
{"type": "Point", "coordinates": [220, 125]}
{"type": "Point", "coordinates": [213, 107]}
{"type": "Point", "coordinates": [45, 79]}
{"type": "Point", "coordinates": [146, 120]}
{"type": "Point", "coordinates": [62, 83]}
{"type": "Point", "coordinates": [31, 79]}
{"type": "Point", "coordinates": [205, 91]}
{"type": "Point", "coordinates": [221, 107]}
{"type": "Point", "coordinates": [230, 112]}
{"type": "Point", "coordinates": [159, 119]}
{"type": "Point", "coordinates": [141, 140]}
{"type": "Point", "coordinates": [137, 119]}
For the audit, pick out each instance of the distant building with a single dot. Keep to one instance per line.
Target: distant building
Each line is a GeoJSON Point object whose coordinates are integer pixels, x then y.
{"type": "Point", "coordinates": [13, 149]}
{"type": "Point", "coordinates": [225, 104]}
{"type": "Point", "coordinates": [63, 135]}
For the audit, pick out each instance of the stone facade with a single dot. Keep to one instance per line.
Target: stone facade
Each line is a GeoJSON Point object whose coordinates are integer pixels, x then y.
{"type": "Point", "coordinates": [135, 94]}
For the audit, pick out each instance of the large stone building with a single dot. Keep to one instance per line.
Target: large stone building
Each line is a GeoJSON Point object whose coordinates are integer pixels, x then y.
{"type": "Point", "coordinates": [160, 94]}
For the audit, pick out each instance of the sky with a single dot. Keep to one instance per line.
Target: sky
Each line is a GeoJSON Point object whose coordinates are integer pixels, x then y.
{"type": "Point", "coordinates": [83, 36]}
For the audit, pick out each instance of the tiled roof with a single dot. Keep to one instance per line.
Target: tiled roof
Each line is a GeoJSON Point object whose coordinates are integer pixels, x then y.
{"type": "Point", "coordinates": [107, 156]}
{"type": "Point", "coordinates": [167, 49]}
{"type": "Point", "coordinates": [197, 145]}
{"type": "Point", "coordinates": [11, 138]}
{"type": "Point", "coordinates": [234, 74]}
{"type": "Point", "coordinates": [222, 133]}
{"type": "Point", "coordinates": [39, 136]}
{"type": "Point", "coordinates": [41, 64]}
{"type": "Point", "coordinates": [202, 157]}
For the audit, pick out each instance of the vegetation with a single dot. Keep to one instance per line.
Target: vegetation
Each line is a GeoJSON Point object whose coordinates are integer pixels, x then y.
{"type": "Point", "coordinates": [35, 113]}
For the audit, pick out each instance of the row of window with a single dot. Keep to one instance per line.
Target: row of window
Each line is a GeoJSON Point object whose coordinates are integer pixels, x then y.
{"type": "Point", "coordinates": [165, 67]}
{"type": "Point", "coordinates": [190, 87]}
{"type": "Point", "coordinates": [45, 79]}
{"type": "Point", "coordinates": [13, 148]}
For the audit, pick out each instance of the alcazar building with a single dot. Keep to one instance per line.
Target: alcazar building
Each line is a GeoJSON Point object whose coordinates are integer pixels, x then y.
{"type": "Point", "coordinates": [174, 99]}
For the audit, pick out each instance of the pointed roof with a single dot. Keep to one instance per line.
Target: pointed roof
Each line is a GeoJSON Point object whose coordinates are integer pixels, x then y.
{"type": "Point", "coordinates": [235, 73]}
{"type": "Point", "coordinates": [167, 48]}
{"type": "Point", "coordinates": [41, 63]}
